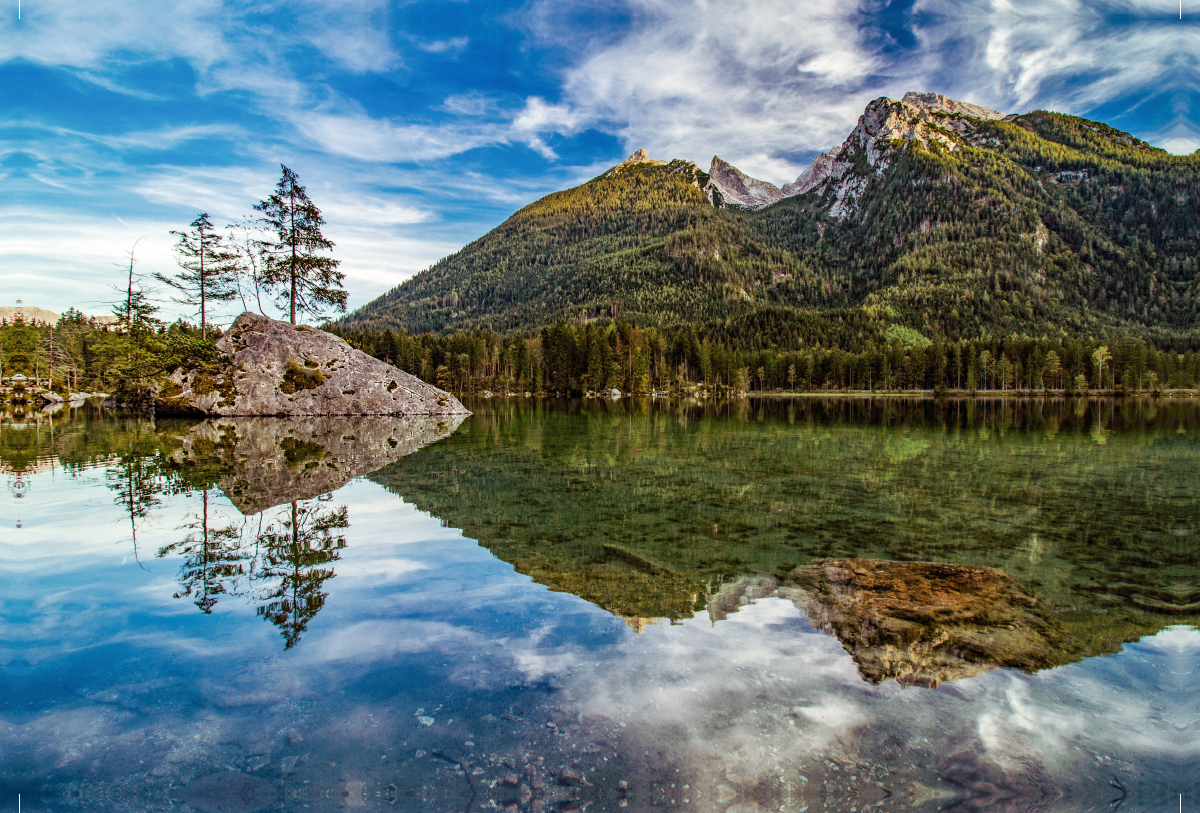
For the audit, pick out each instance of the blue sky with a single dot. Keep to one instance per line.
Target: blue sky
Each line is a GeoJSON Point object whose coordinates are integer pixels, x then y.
{"type": "Point", "coordinates": [417, 126]}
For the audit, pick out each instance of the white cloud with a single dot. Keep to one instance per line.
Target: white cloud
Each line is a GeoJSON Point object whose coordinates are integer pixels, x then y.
{"type": "Point", "coordinates": [383, 140]}
{"type": "Point", "coordinates": [56, 263]}
{"type": "Point", "coordinates": [746, 78]}
{"type": "Point", "coordinates": [442, 46]}
{"type": "Point", "coordinates": [769, 82]}
{"type": "Point", "coordinates": [354, 33]}
{"type": "Point", "coordinates": [470, 104]}
{"type": "Point", "coordinates": [1064, 55]}
{"type": "Point", "coordinates": [1181, 145]}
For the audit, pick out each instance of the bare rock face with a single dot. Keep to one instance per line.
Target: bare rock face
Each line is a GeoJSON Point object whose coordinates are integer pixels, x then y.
{"type": "Point", "coordinates": [739, 190]}
{"type": "Point", "coordinates": [262, 462]}
{"type": "Point", "coordinates": [818, 172]}
{"type": "Point", "coordinates": [929, 119]}
{"type": "Point", "coordinates": [276, 368]}
{"type": "Point", "coordinates": [937, 101]}
{"type": "Point", "coordinates": [922, 624]}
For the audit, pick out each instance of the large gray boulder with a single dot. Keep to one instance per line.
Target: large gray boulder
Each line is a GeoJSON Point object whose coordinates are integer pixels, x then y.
{"type": "Point", "coordinates": [276, 368]}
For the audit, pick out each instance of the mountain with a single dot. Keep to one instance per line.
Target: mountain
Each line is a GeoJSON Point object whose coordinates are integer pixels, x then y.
{"type": "Point", "coordinates": [738, 190]}
{"type": "Point", "coordinates": [940, 216]}
{"type": "Point", "coordinates": [919, 117]}
{"type": "Point", "coordinates": [29, 314]}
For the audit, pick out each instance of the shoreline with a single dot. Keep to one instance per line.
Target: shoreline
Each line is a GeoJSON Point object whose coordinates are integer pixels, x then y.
{"type": "Point", "coordinates": [921, 394]}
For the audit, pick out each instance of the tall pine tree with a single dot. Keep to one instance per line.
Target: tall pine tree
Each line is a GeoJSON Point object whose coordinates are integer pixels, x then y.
{"type": "Point", "coordinates": [208, 269]}
{"type": "Point", "coordinates": [308, 281]}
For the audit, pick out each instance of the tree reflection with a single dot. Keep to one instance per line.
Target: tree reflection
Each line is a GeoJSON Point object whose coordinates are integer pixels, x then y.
{"type": "Point", "coordinates": [297, 552]}
{"type": "Point", "coordinates": [279, 562]}
{"type": "Point", "coordinates": [140, 478]}
{"type": "Point", "coordinates": [214, 560]}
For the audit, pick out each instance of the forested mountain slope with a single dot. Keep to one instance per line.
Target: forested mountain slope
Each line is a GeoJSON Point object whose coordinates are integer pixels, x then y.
{"type": "Point", "coordinates": [942, 217]}
{"type": "Point", "coordinates": [638, 242]}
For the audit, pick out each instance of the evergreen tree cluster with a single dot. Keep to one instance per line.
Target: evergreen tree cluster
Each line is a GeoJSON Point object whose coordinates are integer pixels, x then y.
{"type": "Point", "coordinates": [83, 354]}
{"type": "Point", "coordinates": [569, 358]}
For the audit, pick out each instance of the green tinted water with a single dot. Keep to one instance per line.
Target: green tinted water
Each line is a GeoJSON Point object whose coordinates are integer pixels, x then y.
{"type": "Point", "coordinates": [645, 509]}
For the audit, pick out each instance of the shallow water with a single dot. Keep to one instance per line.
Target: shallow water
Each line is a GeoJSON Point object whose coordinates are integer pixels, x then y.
{"type": "Point", "coordinates": [784, 605]}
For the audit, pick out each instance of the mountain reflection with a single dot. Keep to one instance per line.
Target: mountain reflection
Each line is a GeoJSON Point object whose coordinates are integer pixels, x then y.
{"type": "Point", "coordinates": [656, 511]}
{"type": "Point", "coordinates": [921, 624]}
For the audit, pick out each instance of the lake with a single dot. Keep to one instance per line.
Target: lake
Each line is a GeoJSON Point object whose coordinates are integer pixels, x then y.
{"type": "Point", "coordinates": [768, 604]}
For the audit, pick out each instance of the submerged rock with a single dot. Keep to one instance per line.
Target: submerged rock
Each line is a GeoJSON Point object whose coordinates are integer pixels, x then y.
{"type": "Point", "coordinates": [276, 368]}
{"type": "Point", "coordinates": [922, 623]}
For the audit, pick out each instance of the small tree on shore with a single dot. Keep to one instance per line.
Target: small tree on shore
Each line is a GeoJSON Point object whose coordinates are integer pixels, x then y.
{"type": "Point", "coordinates": [307, 281]}
{"type": "Point", "coordinates": [1099, 357]}
{"type": "Point", "coordinates": [1053, 366]}
{"type": "Point", "coordinates": [209, 270]}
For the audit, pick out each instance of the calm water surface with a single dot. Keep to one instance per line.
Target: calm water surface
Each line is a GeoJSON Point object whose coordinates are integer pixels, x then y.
{"type": "Point", "coordinates": [766, 605]}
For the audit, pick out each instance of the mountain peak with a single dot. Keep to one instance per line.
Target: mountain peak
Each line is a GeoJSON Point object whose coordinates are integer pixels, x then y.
{"type": "Point", "coordinates": [639, 157]}
{"type": "Point", "coordinates": [936, 101]}
{"type": "Point", "coordinates": [739, 190]}
{"type": "Point", "coordinates": [919, 117]}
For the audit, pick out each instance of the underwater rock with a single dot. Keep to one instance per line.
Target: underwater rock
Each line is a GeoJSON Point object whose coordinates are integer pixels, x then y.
{"type": "Point", "coordinates": [921, 623]}
{"type": "Point", "coordinates": [276, 368]}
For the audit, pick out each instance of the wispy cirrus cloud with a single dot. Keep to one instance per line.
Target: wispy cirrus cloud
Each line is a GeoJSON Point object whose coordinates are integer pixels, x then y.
{"type": "Point", "coordinates": [766, 83]}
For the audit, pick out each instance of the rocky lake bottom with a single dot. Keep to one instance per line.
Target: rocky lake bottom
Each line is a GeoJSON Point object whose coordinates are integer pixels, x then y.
{"type": "Point", "coordinates": [801, 605]}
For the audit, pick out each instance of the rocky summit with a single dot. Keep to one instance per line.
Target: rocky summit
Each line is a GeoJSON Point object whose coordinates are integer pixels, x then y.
{"type": "Point", "coordinates": [276, 368]}
{"type": "Point", "coordinates": [738, 190]}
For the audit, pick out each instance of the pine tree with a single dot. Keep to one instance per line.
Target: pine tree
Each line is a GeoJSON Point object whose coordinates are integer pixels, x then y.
{"type": "Point", "coordinates": [308, 281]}
{"type": "Point", "coordinates": [1099, 358]}
{"type": "Point", "coordinates": [209, 270]}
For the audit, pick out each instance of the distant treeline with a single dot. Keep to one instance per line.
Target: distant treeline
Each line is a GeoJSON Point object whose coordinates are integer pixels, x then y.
{"type": "Point", "coordinates": [79, 353]}
{"type": "Point", "coordinates": [572, 359]}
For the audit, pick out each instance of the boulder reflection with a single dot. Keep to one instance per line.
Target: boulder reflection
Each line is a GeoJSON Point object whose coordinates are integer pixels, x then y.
{"type": "Point", "coordinates": [279, 474]}
{"type": "Point", "coordinates": [262, 462]}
